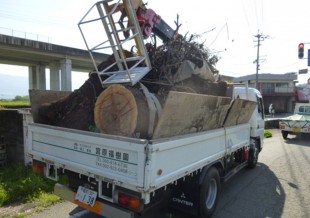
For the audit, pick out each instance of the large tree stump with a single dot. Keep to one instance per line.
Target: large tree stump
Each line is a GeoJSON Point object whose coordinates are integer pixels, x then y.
{"type": "Point", "coordinates": [116, 111]}
{"type": "Point", "coordinates": [121, 110]}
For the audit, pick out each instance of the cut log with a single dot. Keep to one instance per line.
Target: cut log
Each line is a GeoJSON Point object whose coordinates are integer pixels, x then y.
{"type": "Point", "coordinates": [127, 111]}
{"type": "Point", "coordinates": [116, 111]}
{"type": "Point", "coordinates": [121, 110]}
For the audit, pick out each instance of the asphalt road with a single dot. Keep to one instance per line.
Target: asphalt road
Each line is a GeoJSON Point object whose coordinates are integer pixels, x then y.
{"type": "Point", "coordinates": [278, 187]}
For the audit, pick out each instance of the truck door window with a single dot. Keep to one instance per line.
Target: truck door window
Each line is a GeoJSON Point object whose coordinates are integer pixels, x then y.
{"type": "Point", "coordinates": [260, 109]}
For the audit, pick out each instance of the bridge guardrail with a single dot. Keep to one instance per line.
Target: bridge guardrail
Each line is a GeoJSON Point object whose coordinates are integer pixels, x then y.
{"type": "Point", "coordinates": [25, 35]}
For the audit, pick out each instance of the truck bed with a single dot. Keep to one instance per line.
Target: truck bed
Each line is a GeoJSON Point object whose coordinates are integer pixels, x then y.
{"type": "Point", "coordinates": [136, 164]}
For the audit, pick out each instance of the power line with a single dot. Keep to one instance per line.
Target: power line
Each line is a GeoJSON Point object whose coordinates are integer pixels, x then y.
{"type": "Point", "coordinates": [263, 20]}
{"type": "Point", "coordinates": [218, 34]}
{"type": "Point", "coordinates": [256, 13]}
{"type": "Point", "coordinates": [246, 16]}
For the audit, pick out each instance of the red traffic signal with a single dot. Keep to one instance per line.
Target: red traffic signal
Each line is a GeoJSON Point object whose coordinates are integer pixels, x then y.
{"type": "Point", "coordinates": [301, 48]}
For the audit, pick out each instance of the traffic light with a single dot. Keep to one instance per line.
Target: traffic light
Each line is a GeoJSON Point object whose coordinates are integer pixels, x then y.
{"type": "Point", "coordinates": [301, 48]}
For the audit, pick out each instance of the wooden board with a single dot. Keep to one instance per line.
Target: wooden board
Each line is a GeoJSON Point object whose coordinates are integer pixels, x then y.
{"type": "Point", "coordinates": [240, 112]}
{"type": "Point", "coordinates": [187, 113]}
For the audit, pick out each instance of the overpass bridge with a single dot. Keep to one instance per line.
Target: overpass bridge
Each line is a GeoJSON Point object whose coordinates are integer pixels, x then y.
{"type": "Point", "coordinates": [38, 56]}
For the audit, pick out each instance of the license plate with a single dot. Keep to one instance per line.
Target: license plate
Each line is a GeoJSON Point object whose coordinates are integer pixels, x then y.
{"type": "Point", "coordinates": [295, 129]}
{"type": "Point", "coordinates": [86, 196]}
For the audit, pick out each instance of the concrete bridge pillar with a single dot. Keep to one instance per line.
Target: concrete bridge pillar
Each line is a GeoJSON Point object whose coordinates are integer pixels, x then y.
{"type": "Point", "coordinates": [66, 74]}
{"type": "Point", "coordinates": [60, 75]}
{"type": "Point", "coordinates": [37, 77]}
{"type": "Point", "coordinates": [55, 76]}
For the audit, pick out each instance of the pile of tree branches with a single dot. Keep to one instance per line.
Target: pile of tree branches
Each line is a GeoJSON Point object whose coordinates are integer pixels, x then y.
{"type": "Point", "coordinates": [167, 62]}
{"type": "Point", "coordinates": [167, 58]}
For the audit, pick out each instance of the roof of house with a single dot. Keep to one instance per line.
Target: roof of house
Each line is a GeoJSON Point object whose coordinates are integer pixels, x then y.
{"type": "Point", "coordinates": [227, 78]}
{"type": "Point", "coordinates": [268, 76]}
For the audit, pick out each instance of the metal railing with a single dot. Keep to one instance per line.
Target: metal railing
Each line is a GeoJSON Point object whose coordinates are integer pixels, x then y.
{"type": "Point", "coordinates": [278, 90]}
{"type": "Point", "coordinates": [24, 35]}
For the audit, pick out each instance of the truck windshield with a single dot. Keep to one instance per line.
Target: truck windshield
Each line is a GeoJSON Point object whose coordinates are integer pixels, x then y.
{"type": "Point", "coordinates": [260, 106]}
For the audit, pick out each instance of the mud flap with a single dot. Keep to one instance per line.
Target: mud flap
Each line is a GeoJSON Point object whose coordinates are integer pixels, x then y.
{"type": "Point", "coordinates": [185, 197]}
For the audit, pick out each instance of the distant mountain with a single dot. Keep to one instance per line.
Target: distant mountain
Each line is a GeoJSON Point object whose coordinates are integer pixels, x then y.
{"type": "Point", "coordinates": [11, 86]}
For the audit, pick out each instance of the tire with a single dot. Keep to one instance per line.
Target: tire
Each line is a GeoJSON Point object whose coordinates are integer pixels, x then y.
{"type": "Point", "coordinates": [254, 152]}
{"type": "Point", "coordinates": [209, 193]}
{"type": "Point", "coordinates": [284, 134]}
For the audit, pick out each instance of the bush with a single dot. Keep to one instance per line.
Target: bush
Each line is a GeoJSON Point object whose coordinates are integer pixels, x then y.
{"type": "Point", "coordinates": [3, 195]}
{"type": "Point", "coordinates": [21, 98]}
{"type": "Point", "coordinates": [267, 134]}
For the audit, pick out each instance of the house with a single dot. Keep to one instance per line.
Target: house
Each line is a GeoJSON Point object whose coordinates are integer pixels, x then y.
{"type": "Point", "coordinates": [277, 89]}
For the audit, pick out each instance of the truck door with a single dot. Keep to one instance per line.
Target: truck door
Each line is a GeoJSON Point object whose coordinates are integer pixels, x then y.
{"type": "Point", "coordinates": [259, 119]}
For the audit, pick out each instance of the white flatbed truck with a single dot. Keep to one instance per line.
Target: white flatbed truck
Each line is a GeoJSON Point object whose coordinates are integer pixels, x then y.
{"type": "Point", "coordinates": [298, 123]}
{"type": "Point", "coordinates": [117, 176]}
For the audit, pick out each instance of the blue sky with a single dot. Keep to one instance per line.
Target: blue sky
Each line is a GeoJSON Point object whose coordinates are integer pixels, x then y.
{"type": "Point", "coordinates": [226, 27]}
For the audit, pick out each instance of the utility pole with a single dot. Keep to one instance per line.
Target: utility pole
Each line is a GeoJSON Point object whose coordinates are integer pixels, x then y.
{"type": "Point", "coordinates": [260, 37]}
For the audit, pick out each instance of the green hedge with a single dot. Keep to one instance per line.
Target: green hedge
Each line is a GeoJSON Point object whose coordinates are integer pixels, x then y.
{"type": "Point", "coordinates": [14, 104]}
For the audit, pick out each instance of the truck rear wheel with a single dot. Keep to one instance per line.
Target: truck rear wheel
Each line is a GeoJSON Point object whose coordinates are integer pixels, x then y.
{"type": "Point", "coordinates": [284, 134]}
{"type": "Point", "coordinates": [209, 193]}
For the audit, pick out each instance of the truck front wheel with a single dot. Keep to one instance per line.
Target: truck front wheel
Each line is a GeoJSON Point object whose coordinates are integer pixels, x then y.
{"type": "Point", "coordinates": [209, 193]}
{"type": "Point", "coordinates": [284, 134]}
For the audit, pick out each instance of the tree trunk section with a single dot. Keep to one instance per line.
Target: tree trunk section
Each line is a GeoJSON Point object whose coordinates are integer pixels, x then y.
{"type": "Point", "coordinates": [123, 111]}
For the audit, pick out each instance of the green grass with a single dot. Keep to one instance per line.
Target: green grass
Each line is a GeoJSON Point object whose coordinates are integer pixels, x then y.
{"type": "Point", "coordinates": [19, 184]}
{"type": "Point", "coordinates": [17, 102]}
